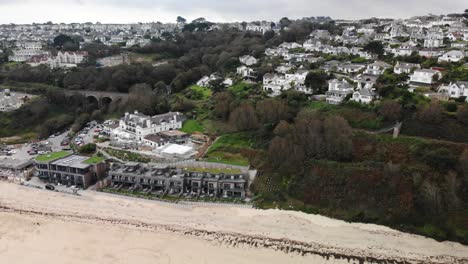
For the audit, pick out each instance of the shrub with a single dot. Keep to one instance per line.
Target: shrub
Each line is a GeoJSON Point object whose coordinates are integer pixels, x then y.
{"type": "Point", "coordinates": [88, 149]}
{"type": "Point", "coordinates": [451, 107]}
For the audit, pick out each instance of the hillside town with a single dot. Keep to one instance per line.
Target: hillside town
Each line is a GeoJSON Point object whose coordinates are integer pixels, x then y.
{"type": "Point", "coordinates": [363, 120]}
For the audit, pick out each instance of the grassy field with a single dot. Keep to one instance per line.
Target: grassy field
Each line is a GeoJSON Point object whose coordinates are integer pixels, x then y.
{"type": "Point", "coordinates": [200, 93]}
{"type": "Point", "coordinates": [241, 90]}
{"type": "Point", "coordinates": [228, 149]}
{"type": "Point", "coordinates": [127, 155]}
{"type": "Point", "coordinates": [192, 126]}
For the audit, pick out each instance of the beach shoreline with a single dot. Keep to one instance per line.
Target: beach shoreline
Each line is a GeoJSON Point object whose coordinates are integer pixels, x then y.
{"type": "Point", "coordinates": [287, 234]}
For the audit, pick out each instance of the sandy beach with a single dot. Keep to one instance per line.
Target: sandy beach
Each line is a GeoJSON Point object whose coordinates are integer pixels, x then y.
{"type": "Point", "coordinates": [39, 226]}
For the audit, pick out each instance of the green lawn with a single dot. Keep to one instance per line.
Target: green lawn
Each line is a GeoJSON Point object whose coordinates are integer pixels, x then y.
{"type": "Point", "coordinates": [241, 89]}
{"type": "Point", "coordinates": [52, 156]}
{"type": "Point", "coordinates": [201, 93]}
{"type": "Point", "coordinates": [228, 149]}
{"type": "Point", "coordinates": [227, 158]}
{"type": "Point", "coordinates": [236, 140]}
{"type": "Point", "coordinates": [192, 126]}
{"type": "Point", "coordinates": [94, 160]}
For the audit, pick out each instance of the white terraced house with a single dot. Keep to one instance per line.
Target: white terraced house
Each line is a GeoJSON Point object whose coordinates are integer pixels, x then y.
{"type": "Point", "coordinates": [137, 126]}
{"type": "Point", "coordinates": [262, 27]}
{"type": "Point", "coordinates": [32, 45]}
{"type": "Point", "coordinates": [433, 41]}
{"type": "Point", "coordinates": [424, 77]}
{"type": "Point", "coordinates": [67, 59]}
{"type": "Point", "coordinates": [338, 90]}
{"type": "Point", "coordinates": [455, 90]}
{"type": "Point", "coordinates": [25, 54]}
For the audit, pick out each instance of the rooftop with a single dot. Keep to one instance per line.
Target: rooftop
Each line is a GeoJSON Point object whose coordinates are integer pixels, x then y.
{"type": "Point", "coordinates": [73, 161]}
{"type": "Point", "coordinates": [52, 156]}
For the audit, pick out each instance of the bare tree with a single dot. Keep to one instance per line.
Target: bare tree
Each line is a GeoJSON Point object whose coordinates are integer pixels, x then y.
{"type": "Point", "coordinates": [222, 107]}
{"type": "Point", "coordinates": [432, 113]}
{"type": "Point", "coordinates": [390, 110]}
{"type": "Point", "coordinates": [244, 117]}
{"type": "Point", "coordinates": [271, 111]}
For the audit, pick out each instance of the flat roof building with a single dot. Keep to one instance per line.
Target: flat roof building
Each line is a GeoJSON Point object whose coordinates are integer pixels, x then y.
{"type": "Point", "coordinates": [70, 169]}
{"type": "Point", "coordinates": [172, 181]}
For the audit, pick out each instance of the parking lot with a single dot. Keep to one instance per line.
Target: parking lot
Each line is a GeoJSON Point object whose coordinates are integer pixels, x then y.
{"type": "Point", "coordinates": [31, 150]}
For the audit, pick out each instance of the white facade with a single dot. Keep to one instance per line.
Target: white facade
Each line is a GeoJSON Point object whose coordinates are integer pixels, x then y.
{"type": "Point", "coordinates": [276, 83]}
{"type": "Point", "coordinates": [364, 96]}
{"type": "Point", "coordinates": [248, 60]}
{"type": "Point", "coordinates": [452, 56]}
{"type": "Point", "coordinates": [402, 67]}
{"type": "Point", "coordinates": [377, 68]}
{"type": "Point", "coordinates": [433, 42]}
{"type": "Point", "coordinates": [455, 90]}
{"type": "Point", "coordinates": [337, 91]}
{"type": "Point", "coordinates": [136, 126]}
{"type": "Point", "coordinates": [67, 59]}
{"type": "Point", "coordinates": [424, 76]}
{"type": "Point", "coordinates": [23, 55]}
{"type": "Point", "coordinates": [244, 71]}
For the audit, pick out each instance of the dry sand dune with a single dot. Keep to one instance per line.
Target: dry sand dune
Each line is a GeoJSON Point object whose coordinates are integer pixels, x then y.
{"type": "Point", "coordinates": [39, 226]}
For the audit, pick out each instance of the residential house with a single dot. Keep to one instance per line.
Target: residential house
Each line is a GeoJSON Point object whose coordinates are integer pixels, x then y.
{"type": "Point", "coordinates": [244, 71]}
{"type": "Point", "coordinates": [350, 68]}
{"type": "Point", "coordinates": [404, 67]}
{"type": "Point", "coordinates": [433, 41]}
{"type": "Point", "coordinates": [23, 55]}
{"type": "Point", "coordinates": [430, 53]}
{"type": "Point", "coordinates": [331, 65]}
{"type": "Point", "coordinates": [320, 34]}
{"type": "Point", "coordinates": [424, 77]}
{"type": "Point", "coordinates": [205, 80]}
{"type": "Point", "coordinates": [364, 96]}
{"type": "Point", "coordinates": [262, 27]}
{"type": "Point", "coordinates": [455, 90]}
{"type": "Point", "coordinates": [452, 56]}
{"type": "Point", "coordinates": [338, 90]}
{"type": "Point", "coordinates": [377, 68]}
{"type": "Point", "coordinates": [290, 45]}
{"type": "Point", "coordinates": [248, 60]}
{"type": "Point", "coordinates": [276, 83]}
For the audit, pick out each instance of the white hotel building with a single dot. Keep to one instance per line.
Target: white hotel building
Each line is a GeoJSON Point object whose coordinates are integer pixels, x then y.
{"type": "Point", "coordinates": [136, 126]}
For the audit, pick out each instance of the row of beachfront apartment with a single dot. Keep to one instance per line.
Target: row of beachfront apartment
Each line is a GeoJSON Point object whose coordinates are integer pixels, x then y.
{"type": "Point", "coordinates": [173, 181]}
